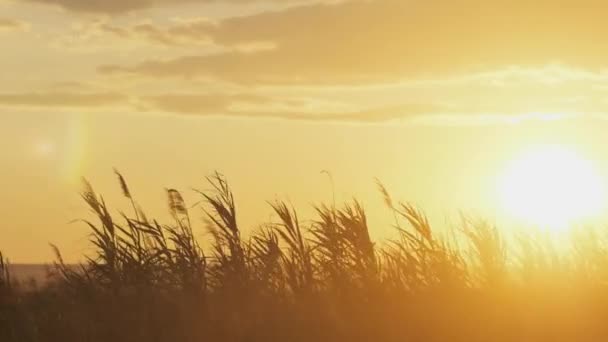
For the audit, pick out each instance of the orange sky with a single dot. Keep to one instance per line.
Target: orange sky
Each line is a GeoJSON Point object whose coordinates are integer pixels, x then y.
{"type": "Point", "coordinates": [432, 97]}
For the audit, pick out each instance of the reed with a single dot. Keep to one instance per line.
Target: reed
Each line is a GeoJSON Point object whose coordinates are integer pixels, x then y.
{"type": "Point", "coordinates": [321, 279]}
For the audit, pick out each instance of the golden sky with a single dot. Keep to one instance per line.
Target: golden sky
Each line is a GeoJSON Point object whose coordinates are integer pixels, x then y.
{"type": "Point", "coordinates": [432, 97]}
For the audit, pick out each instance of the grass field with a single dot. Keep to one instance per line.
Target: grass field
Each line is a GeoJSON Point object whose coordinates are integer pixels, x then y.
{"type": "Point", "coordinates": [313, 279]}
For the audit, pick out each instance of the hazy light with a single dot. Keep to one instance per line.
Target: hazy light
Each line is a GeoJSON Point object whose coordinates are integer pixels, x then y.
{"type": "Point", "coordinates": [45, 149]}
{"type": "Point", "coordinates": [551, 187]}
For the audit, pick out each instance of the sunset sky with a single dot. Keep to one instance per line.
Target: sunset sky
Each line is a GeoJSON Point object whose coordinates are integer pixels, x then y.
{"type": "Point", "coordinates": [434, 98]}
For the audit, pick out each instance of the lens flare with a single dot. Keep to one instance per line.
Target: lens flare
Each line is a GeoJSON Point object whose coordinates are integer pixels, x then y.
{"type": "Point", "coordinates": [75, 147]}
{"type": "Point", "coordinates": [45, 149]}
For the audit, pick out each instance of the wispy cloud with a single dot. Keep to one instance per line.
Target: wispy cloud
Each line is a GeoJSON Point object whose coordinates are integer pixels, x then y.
{"type": "Point", "coordinates": [256, 106]}
{"type": "Point", "coordinates": [102, 35]}
{"type": "Point", "coordinates": [355, 60]}
{"type": "Point", "coordinates": [126, 6]}
{"type": "Point", "coordinates": [370, 41]}
{"type": "Point", "coordinates": [107, 6]}
{"type": "Point", "coordinates": [52, 100]}
{"type": "Point", "coordinates": [7, 24]}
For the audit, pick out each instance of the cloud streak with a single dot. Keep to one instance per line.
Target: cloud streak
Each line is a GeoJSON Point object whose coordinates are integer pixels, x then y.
{"type": "Point", "coordinates": [107, 6]}
{"type": "Point", "coordinates": [126, 6]}
{"type": "Point", "coordinates": [7, 24]}
{"type": "Point", "coordinates": [262, 107]}
{"type": "Point", "coordinates": [227, 105]}
{"type": "Point", "coordinates": [61, 100]}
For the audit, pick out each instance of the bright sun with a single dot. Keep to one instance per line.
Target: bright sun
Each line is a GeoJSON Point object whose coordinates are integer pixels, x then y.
{"type": "Point", "coordinates": [552, 187]}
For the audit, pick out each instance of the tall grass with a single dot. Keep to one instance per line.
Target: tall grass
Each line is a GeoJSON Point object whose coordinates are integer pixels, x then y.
{"type": "Point", "coordinates": [322, 279]}
{"type": "Point", "coordinates": [5, 277]}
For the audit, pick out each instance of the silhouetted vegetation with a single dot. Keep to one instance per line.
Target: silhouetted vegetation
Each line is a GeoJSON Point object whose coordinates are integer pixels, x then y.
{"type": "Point", "coordinates": [317, 280]}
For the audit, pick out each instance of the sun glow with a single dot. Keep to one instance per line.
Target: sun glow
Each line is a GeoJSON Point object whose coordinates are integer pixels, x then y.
{"type": "Point", "coordinates": [552, 187]}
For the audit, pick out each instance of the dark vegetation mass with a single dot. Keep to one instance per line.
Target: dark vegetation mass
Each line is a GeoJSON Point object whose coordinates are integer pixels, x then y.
{"type": "Point", "coordinates": [308, 280]}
